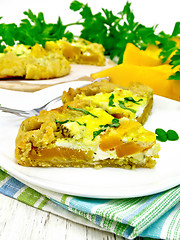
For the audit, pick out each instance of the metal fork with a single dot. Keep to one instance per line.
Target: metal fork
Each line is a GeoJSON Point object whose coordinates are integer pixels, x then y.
{"type": "Point", "coordinates": [32, 112]}
{"type": "Point", "coordinates": [35, 111]}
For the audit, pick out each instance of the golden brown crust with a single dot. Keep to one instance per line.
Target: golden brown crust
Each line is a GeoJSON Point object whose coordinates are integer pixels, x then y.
{"type": "Point", "coordinates": [140, 88]}
{"type": "Point", "coordinates": [103, 86]}
{"type": "Point", "coordinates": [50, 62]}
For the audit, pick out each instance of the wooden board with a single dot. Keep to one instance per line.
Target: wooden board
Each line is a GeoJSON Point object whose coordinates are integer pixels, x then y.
{"type": "Point", "coordinates": [78, 72]}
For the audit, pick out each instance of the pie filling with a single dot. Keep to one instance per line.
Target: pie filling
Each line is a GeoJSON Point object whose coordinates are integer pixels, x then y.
{"type": "Point", "coordinates": [63, 157]}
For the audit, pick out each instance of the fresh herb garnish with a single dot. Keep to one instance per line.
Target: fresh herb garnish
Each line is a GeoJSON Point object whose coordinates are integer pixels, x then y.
{"type": "Point", "coordinates": [122, 105]}
{"type": "Point", "coordinates": [111, 101]}
{"type": "Point", "coordinates": [82, 110]}
{"type": "Point", "coordinates": [63, 122]}
{"type": "Point", "coordinates": [81, 124]}
{"type": "Point", "coordinates": [175, 76]}
{"type": "Point", "coordinates": [163, 136]}
{"type": "Point", "coordinates": [96, 133]}
{"type": "Point", "coordinates": [131, 99]}
{"type": "Point", "coordinates": [34, 29]}
{"type": "Point", "coordinates": [126, 99]}
{"type": "Point", "coordinates": [115, 123]}
{"type": "Point", "coordinates": [172, 135]}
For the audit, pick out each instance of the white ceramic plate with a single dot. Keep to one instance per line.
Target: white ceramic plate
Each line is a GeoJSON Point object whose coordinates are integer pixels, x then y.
{"type": "Point", "coordinates": [106, 182]}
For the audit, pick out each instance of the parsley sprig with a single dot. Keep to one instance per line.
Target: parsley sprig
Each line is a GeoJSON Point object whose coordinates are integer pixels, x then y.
{"type": "Point", "coordinates": [31, 30]}
{"type": "Point", "coordinates": [115, 31]}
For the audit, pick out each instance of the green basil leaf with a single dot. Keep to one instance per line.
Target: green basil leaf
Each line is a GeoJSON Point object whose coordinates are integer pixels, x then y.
{"type": "Point", "coordinates": [82, 110]}
{"type": "Point", "coordinates": [61, 122]}
{"type": "Point", "coordinates": [115, 123]}
{"type": "Point", "coordinates": [96, 133]}
{"type": "Point", "coordinates": [122, 105]}
{"type": "Point", "coordinates": [131, 99]}
{"type": "Point", "coordinates": [172, 135]}
{"type": "Point", "coordinates": [161, 135]}
{"type": "Point", "coordinates": [111, 102]}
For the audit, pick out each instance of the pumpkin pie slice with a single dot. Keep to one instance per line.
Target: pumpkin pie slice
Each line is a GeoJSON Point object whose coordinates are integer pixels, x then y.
{"type": "Point", "coordinates": [80, 135]}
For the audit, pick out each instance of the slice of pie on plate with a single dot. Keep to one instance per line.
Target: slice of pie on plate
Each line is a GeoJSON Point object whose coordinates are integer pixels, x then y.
{"type": "Point", "coordinates": [82, 133]}
{"type": "Point", "coordinates": [134, 103]}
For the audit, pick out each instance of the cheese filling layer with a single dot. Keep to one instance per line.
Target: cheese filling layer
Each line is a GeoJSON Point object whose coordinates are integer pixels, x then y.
{"type": "Point", "coordinates": [107, 141]}
{"type": "Point", "coordinates": [122, 103]}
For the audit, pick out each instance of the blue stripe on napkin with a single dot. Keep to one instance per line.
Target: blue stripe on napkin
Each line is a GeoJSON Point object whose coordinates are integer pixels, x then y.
{"type": "Point", "coordinates": [126, 219]}
{"type": "Point", "coordinates": [11, 187]}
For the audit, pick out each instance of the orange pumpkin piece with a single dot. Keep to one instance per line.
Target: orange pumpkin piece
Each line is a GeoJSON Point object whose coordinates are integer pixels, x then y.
{"type": "Point", "coordinates": [146, 67]}
{"type": "Point", "coordinates": [154, 77]}
{"type": "Point", "coordinates": [109, 141]}
{"type": "Point", "coordinates": [150, 57]}
{"type": "Point", "coordinates": [114, 141]}
{"type": "Point", "coordinates": [60, 152]}
{"type": "Point", "coordinates": [70, 52]}
{"type": "Point", "coordinates": [129, 148]}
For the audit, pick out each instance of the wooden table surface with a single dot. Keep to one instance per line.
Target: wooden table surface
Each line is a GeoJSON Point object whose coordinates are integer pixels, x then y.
{"type": "Point", "coordinates": [19, 221]}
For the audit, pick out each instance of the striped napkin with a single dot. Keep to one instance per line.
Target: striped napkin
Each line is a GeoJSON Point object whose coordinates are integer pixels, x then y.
{"type": "Point", "coordinates": [156, 216]}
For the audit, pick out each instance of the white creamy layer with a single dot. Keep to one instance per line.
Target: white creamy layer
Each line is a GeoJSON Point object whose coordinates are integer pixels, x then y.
{"type": "Point", "coordinates": [100, 155]}
{"type": "Point", "coordinates": [140, 110]}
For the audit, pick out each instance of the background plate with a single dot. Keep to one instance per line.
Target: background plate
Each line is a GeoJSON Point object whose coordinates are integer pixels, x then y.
{"type": "Point", "coordinates": [106, 182]}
